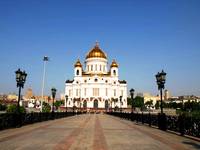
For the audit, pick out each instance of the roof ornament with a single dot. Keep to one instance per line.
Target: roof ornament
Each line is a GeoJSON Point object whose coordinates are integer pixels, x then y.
{"type": "Point", "coordinates": [96, 44]}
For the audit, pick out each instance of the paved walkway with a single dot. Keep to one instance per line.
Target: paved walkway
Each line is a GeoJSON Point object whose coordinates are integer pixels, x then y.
{"type": "Point", "coordinates": [92, 132]}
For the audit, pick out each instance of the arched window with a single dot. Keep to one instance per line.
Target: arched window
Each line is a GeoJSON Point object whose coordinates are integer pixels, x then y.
{"type": "Point", "coordinates": [106, 104]}
{"type": "Point", "coordinates": [85, 104]}
{"type": "Point", "coordinates": [77, 72]}
{"type": "Point", "coordinates": [95, 104]}
{"type": "Point", "coordinates": [114, 72]}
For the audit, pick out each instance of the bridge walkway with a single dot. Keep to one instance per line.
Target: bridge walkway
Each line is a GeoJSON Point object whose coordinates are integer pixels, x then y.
{"type": "Point", "coordinates": [92, 132]}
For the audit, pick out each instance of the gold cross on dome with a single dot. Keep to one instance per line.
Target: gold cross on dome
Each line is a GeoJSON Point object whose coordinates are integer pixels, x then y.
{"type": "Point", "coordinates": [96, 43]}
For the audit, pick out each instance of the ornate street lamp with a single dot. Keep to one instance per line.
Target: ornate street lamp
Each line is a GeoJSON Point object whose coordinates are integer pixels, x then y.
{"type": "Point", "coordinates": [66, 99]}
{"type": "Point", "coordinates": [132, 95]}
{"type": "Point", "coordinates": [53, 92]}
{"type": "Point", "coordinates": [120, 98]}
{"type": "Point", "coordinates": [20, 79]}
{"type": "Point", "coordinates": [160, 79]}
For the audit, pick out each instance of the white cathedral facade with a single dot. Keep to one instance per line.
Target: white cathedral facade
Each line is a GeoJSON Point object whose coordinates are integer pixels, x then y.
{"type": "Point", "coordinates": [95, 85]}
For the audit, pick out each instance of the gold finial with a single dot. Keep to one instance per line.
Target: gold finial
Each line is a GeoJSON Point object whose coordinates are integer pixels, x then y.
{"type": "Point", "coordinates": [96, 44]}
{"type": "Point", "coordinates": [114, 63]}
{"type": "Point", "coordinates": [78, 63]}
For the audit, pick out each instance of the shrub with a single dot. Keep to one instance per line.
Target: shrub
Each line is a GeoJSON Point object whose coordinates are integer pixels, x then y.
{"type": "Point", "coordinates": [3, 107]}
{"type": "Point", "coordinates": [13, 109]}
{"type": "Point", "coordinates": [46, 107]}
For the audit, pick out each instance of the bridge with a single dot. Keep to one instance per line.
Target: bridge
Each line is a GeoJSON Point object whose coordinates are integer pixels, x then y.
{"type": "Point", "coordinates": [92, 132]}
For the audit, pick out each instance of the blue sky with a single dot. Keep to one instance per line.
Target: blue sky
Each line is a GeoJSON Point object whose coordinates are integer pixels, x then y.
{"type": "Point", "coordinates": [143, 36]}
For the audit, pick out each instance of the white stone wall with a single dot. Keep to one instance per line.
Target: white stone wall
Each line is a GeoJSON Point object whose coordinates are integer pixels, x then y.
{"type": "Point", "coordinates": [79, 85]}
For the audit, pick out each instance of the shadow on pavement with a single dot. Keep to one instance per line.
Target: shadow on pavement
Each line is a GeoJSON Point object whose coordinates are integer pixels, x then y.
{"type": "Point", "coordinates": [195, 145]}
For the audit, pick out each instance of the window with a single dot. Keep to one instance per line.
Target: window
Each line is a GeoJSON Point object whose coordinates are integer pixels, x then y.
{"type": "Point", "coordinates": [77, 72]}
{"type": "Point", "coordinates": [104, 68]}
{"type": "Point", "coordinates": [70, 93]}
{"type": "Point", "coordinates": [87, 68]}
{"type": "Point", "coordinates": [122, 92]}
{"type": "Point", "coordinates": [114, 92]}
{"type": "Point", "coordinates": [114, 72]}
{"type": "Point", "coordinates": [96, 67]}
{"type": "Point", "coordinates": [76, 92]}
{"type": "Point", "coordinates": [95, 91]}
{"type": "Point", "coordinates": [85, 90]}
{"type": "Point", "coordinates": [95, 80]}
{"type": "Point", "coordinates": [91, 67]}
{"type": "Point", "coordinates": [100, 67]}
{"type": "Point", "coordinates": [106, 91]}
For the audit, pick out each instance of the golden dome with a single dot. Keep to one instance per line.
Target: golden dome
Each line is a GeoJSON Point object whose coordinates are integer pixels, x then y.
{"type": "Point", "coordinates": [78, 64]}
{"type": "Point", "coordinates": [96, 52]}
{"type": "Point", "coordinates": [114, 64]}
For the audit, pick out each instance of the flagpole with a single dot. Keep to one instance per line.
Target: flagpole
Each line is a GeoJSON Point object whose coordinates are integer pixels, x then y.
{"type": "Point", "coordinates": [45, 59]}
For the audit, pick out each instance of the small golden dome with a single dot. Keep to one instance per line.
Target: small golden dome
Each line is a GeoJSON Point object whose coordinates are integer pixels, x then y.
{"type": "Point", "coordinates": [78, 64]}
{"type": "Point", "coordinates": [96, 52]}
{"type": "Point", "coordinates": [114, 64]}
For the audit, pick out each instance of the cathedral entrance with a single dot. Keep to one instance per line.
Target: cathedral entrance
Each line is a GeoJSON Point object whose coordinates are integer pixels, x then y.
{"type": "Point", "coordinates": [106, 105]}
{"type": "Point", "coordinates": [85, 104]}
{"type": "Point", "coordinates": [95, 104]}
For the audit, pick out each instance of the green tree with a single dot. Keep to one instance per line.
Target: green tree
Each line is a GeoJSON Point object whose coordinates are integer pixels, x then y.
{"type": "Point", "coordinates": [13, 109]}
{"type": "Point", "coordinates": [129, 101]}
{"type": "Point", "coordinates": [149, 103]}
{"type": "Point", "coordinates": [3, 107]}
{"type": "Point", "coordinates": [138, 102]}
{"type": "Point", "coordinates": [46, 107]}
{"type": "Point", "coordinates": [58, 104]}
{"type": "Point", "coordinates": [157, 105]}
{"type": "Point", "coordinates": [165, 105]}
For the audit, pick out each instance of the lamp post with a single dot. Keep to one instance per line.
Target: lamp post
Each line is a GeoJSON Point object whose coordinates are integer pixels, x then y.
{"type": "Point", "coordinates": [66, 99]}
{"type": "Point", "coordinates": [160, 79]}
{"type": "Point", "coordinates": [45, 59]}
{"type": "Point", "coordinates": [20, 79]}
{"type": "Point", "coordinates": [53, 92]}
{"type": "Point", "coordinates": [120, 99]}
{"type": "Point", "coordinates": [132, 95]}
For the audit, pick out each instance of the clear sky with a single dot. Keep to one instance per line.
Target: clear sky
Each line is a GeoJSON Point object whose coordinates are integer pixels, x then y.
{"type": "Point", "coordinates": [143, 36]}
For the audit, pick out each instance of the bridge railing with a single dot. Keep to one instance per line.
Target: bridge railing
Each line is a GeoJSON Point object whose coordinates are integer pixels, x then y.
{"type": "Point", "coordinates": [185, 125]}
{"type": "Point", "coordinates": [12, 120]}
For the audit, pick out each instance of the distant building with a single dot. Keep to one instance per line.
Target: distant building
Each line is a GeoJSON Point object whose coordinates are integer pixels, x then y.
{"type": "Point", "coordinates": [166, 95]}
{"type": "Point", "coordinates": [28, 94]}
{"type": "Point", "coordinates": [3, 97]}
{"type": "Point", "coordinates": [149, 97]}
{"type": "Point", "coordinates": [62, 96]}
{"type": "Point", "coordinates": [12, 96]}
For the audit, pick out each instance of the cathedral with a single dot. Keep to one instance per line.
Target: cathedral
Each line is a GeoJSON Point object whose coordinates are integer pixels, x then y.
{"type": "Point", "coordinates": [95, 85]}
